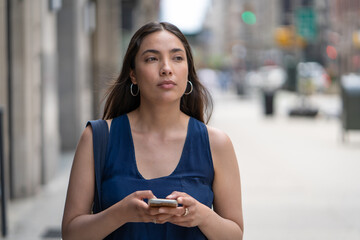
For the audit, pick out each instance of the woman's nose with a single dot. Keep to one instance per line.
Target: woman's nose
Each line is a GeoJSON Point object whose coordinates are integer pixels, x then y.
{"type": "Point", "coordinates": [165, 69]}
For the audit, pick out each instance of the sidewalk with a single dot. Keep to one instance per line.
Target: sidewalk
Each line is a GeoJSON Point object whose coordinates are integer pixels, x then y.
{"type": "Point", "coordinates": [299, 181]}
{"type": "Point", "coordinates": [39, 217]}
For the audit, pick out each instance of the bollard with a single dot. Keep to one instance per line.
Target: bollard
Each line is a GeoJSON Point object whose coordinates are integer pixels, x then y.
{"type": "Point", "coordinates": [2, 179]}
{"type": "Point", "coordinates": [268, 102]}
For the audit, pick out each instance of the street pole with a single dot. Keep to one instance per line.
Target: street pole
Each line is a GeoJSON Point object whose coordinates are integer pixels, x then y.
{"type": "Point", "coordinates": [2, 179]}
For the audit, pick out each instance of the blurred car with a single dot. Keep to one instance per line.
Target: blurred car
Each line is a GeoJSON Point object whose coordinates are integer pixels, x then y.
{"type": "Point", "coordinates": [311, 77]}
{"type": "Point", "coordinates": [273, 77]}
{"type": "Point", "coordinates": [252, 79]}
{"type": "Point", "coordinates": [267, 78]}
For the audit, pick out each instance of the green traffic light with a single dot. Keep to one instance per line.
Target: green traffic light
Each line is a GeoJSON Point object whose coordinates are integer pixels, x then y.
{"type": "Point", "coordinates": [248, 17]}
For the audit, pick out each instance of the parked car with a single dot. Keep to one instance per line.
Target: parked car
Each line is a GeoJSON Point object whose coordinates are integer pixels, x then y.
{"type": "Point", "coordinates": [272, 77]}
{"type": "Point", "coordinates": [311, 78]}
{"type": "Point", "coordinates": [267, 78]}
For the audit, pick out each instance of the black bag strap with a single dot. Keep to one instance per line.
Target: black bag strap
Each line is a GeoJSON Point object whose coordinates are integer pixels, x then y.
{"type": "Point", "coordinates": [100, 138]}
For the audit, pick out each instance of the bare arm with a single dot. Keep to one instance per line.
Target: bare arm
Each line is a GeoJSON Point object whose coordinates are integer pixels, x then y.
{"type": "Point", "coordinates": [226, 222]}
{"type": "Point", "coordinates": [78, 222]}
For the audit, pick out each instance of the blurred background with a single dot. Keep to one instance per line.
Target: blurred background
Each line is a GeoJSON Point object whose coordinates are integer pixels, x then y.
{"type": "Point", "coordinates": [284, 74]}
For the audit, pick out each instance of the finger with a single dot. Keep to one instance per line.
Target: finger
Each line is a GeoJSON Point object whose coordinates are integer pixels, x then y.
{"type": "Point", "coordinates": [171, 211]}
{"type": "Point", "coordinates": [186, 200]}
{"type": "Point", "coordinates": [146, 194]}
{"type": "Point", "coordinates": [180, 220]}
{"type": "Point", "coordinates": [153, 215]}
{"type": "Point", "coordinates": [160, 218]}
{"type": "Point", "coordinates": [176, 194]}
{"type": "Point", "coordinates": [153, 211]}
{"type": "Point", "coordinates": [163, 218]}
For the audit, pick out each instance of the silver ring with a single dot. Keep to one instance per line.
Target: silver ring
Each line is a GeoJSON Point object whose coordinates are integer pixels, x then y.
{"type": "Point", "coordinates": [154, 221]}
{"type": "Point", "coordinates": [186, 212]}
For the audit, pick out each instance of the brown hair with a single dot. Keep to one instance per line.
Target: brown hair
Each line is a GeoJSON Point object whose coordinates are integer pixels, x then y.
{"type": "Point", "coordinates": [119, 101]}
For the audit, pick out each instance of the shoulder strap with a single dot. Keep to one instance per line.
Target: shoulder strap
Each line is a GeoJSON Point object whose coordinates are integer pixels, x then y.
{"type": "Point", "coordinates": [100, 138]}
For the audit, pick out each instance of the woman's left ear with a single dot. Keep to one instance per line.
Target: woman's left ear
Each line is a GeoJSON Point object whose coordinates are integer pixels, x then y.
{"type": "Point", "coordinates": [132, 76]}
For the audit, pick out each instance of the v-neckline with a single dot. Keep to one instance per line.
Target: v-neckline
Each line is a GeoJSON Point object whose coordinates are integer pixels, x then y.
{"type": "Point", "coordinates": [134, 156]}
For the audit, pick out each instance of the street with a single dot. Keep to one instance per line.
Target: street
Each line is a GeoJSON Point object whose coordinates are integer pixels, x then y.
{"type": "Point", "coordinates": [299, 180]}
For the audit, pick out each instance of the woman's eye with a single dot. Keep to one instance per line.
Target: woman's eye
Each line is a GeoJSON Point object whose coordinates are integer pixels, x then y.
{"type": "Point", "coordinates": [179, 58]}
{"type": "Point", "coordinates": [150, 59]}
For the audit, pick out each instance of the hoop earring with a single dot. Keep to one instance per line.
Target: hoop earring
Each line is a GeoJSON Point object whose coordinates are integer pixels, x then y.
{"type": "Point", "coordinates": [191, 88]}
{"type": "Point", "coordinates": [131, 90]}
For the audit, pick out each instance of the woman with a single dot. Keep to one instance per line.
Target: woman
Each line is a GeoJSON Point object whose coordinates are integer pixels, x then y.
{"type": "Point", "coordinates": [158, 147]}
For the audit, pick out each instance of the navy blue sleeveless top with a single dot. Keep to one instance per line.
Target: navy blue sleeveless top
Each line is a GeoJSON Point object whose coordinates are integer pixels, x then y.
{"type": "Point", "coordinates": [194, 175]}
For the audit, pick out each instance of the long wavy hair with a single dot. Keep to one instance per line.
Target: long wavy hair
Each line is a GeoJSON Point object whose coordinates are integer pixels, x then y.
{"type": "Point", "coordinates": [119, 101]}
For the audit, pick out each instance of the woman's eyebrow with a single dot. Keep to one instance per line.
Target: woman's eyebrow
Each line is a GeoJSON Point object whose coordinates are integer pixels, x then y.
{"type": "Point", "coordinates": [151, 51]}
{"type": "Point", "coordinates": [158, 52]}
{"type": "Point", "coordinates": [176, 50]}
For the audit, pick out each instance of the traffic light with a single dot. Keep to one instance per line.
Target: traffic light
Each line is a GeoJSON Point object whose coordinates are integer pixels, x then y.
{"type": "Point", "coordinates": [248, 17]}
{"type": "Point", "coordinates": [331, 52]}
{"type": "Point", "coordinates": [286, 37]}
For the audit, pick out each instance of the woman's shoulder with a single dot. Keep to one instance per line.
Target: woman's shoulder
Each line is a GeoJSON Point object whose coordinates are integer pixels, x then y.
{"type": "Point", "coordinates": [222, 151]}
{"type": "Point", "coordinates": [218, 139]}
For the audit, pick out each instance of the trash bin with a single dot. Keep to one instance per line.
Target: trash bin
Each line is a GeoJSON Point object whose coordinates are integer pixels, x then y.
{"type": "Point", "coordinates": [268, 102]}
{"type": "Point", "coordinates": [272, 79]}
{"type": "Point", "coordinates": [350, 95]}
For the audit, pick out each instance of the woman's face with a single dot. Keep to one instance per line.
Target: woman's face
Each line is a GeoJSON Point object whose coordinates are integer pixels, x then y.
{"type": "Point", "coordinates": [161, 69]}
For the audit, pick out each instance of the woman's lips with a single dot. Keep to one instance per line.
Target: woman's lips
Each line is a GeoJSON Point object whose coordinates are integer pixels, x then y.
{"type": "Point", "coordinates": [167, 84]}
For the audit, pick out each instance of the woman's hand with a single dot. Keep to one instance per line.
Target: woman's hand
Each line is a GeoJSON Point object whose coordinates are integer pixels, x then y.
{"type": "Point", "coordinates": [192, 213]}
{"type": "Point", "coordinates": [135, 209]}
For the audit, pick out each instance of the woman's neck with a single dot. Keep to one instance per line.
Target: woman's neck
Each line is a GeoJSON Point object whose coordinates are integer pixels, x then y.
{"type": "Point", "coordinates": [158, 118]}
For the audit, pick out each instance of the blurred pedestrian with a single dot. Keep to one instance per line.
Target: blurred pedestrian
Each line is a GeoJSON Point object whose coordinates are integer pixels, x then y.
{"type": "Point", "coordinates": [158, 147]}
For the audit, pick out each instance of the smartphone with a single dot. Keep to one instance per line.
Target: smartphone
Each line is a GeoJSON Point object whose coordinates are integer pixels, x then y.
{"type": "Point", "coordinates": [161, 202]}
